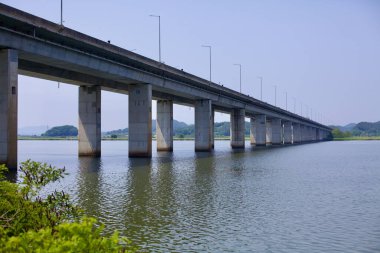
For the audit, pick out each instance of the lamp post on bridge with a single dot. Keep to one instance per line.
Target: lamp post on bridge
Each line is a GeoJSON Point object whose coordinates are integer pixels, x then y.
{"type": "Point", "coordinates": [261, 87]}
{"type": "Point", "coordinates": [275, 95]}
{"type": "Point", "coordinates": [61, 12]}
{"type": "Point", "coordinates": [237, 64]}
{"type": "Point", "coordinates": [286, 100]}
{"type": "Point", "coordinates": [295, 102]}
{"type": "Point", "coordinates": [159, 35]}
{"type": "Point", "coordinates": [209, 47]}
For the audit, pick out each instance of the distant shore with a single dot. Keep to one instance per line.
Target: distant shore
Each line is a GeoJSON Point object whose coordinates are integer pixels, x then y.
{"type": "Point", "coordinates": [44, 138]}
{"type": "Point", "coordinates": [358, 138]}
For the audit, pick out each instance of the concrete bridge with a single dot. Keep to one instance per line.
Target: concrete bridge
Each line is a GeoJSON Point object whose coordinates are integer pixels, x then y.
{"type": "Point", "coordinates": [32, 46]}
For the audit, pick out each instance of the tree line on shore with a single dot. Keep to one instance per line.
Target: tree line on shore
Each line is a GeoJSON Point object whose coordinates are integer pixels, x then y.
{"type": "Point", "coordinates": [362, 129]}
{"type": "Point", "coordinates": [221, 129]}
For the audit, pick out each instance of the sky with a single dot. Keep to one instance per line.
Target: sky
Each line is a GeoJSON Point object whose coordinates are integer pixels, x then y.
{"type": "Point", "coordinates": [324, 54]}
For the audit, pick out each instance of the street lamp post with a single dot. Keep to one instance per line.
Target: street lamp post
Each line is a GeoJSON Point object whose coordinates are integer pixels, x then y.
{"type": "Point", "coordinates": [286, 100]}
{"type": "Point", "coordinates": [209, 47]}
{"type": "Point", "coordinates": [159, 35]}
{"type": "Point", "coordinates": [261, 87]}
{"type": "Point", "coordinates": [295, 102]}
{"type": "Point", "coordinates": [61, 12]}
{"type": "Point", "coordinates": [275, 95]}
{"type": "Point", "coordinates": [237, 64]}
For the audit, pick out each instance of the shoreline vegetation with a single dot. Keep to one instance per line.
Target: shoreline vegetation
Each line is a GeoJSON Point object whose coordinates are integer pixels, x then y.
{"type": "Point", "coordinates": [125, 138]}
{"type": "Point", "coordinates": [184, 132]}
{"type": "Point", "coordinates": [34, 222]}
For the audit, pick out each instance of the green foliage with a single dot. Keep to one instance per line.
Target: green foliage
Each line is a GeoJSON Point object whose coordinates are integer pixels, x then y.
{"type": "Point", "coordinates": [339, 134]}
{"type": "Point", "coordinates": [31, 223]}
{"type": "Point", "coordinates": [83, 236]}
{"type": "Point", "coordinates": [183, 130]}
{"type": "Point", "coordinates": [61, 131]}
{"type": "Point", "coordinates": [367, 129]}
{"type": "Point", "coordinates": [22, 209]}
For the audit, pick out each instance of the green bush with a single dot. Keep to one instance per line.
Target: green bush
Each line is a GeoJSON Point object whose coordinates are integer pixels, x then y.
{"type": "Point", "coordinates": [61, 131]}
{"type": "Point", "coordinates": [83, 236]}
{"type": "Point", "coordinates": [32, 223]}
{"type": "Point", "coordinates": [339, 134]}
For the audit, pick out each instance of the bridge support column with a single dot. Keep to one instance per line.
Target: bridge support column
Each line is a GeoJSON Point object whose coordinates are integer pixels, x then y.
{"type": "Point", "coordinates": [310, 133]}
{"type": "Point", "coordinates": [89, 127]}
{"type": "Point", "coordinates": [309, 136]}
{"type": "Point", "coordinates": [164, 125]}
{"type": "Point", "coordinates": [252, 131]}
{"type": "Point", "coordinates": [303, 133]}
{"type": "Point", "coordinates": [8, 107]}
{"type": "Point", "coordinates": [296, 133]}
{"type": "Point", "coordinates": [288, 133]}
{"type": "Point", "coordinates": [276, 132]}
{"type": "Point", "coordinates": [212, 128]}
{"type": "Point", "coordinates": [140, 120]}
{"type": "Point", "coordinates": [269, 132]}
{"type": "Point", "coordinates": [261, 130]}
{"type": "Point", "coordinates": [237, 130]}
{"type": "Point", "coordinates": [203, 116]}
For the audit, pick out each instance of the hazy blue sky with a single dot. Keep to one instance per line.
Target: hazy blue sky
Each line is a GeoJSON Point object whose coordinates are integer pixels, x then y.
{"type": "Point", "coordinates": [324, 53]}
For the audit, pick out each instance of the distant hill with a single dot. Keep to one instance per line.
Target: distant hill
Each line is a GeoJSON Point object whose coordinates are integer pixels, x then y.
{"type": "Point", "coordinates": [346, 128]}
{"type": "Point", "coordinates": [360, 129]}
{"type": "Point", "coordinates": [61, 131]}
{"type": "Point", "coordinates": [177, 126]}
{"type": "Point", "coordinates": [366, 129]}
{"type": "Point", "coordinates": [221, 129]}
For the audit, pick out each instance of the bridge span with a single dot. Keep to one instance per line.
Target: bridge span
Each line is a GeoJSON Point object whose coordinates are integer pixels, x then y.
{"type": "Point", "coordinates": [32, 46]}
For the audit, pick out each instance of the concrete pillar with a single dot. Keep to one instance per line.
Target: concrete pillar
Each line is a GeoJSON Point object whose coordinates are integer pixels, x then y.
{"type": "Point", "coordinates": [203, 116]}
{"type": "Point", "coordinates": [89, 127]}
{"type": "Point", "coordinates": [140, 120]}
{"type": "Point", "coordinates": [276, 132]}
{"type": "Point", "coordinates": [8, 107]}
{"type": "Point", "coordinates": [306, 133]}
{"type": "Point", "coordinates": [252, 131]}
{"type": "Point", "coordinates": [237, 129]}
{"type": "Point", "coordinates": [261, 130]}
{"type": "Point", "coordinates": [269, 132]}
{"type": "Point", "coordinates": [309, 135]}
{"type": "Point", "coordinates": [296, 133]}
{"type": "Point", "coordinates": [302, 133]}
{"type": "Point", "coordinates": [212, 128]}
{"type": "Point", "coordinates": [164, 125]}
{"type": "Point", "coordinates": [288, 133]}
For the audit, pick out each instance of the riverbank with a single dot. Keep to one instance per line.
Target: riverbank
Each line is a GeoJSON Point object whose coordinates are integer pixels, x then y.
{"type": "Point", "coordinates": [358, 138]}
{"type": "Point", "coordinates": [44, 138]}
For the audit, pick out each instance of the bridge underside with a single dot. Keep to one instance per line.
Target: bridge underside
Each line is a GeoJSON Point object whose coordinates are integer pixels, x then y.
{"type": "Point", "coordinates": [38, 48]}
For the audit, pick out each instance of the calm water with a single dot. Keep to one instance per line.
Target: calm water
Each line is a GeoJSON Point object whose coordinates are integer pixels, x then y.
{"type": "Point", "coordinates": [322, 197]}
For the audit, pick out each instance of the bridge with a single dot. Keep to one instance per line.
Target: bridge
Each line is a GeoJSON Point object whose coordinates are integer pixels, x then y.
{"type": "Point", "coordinates": [32, 46]}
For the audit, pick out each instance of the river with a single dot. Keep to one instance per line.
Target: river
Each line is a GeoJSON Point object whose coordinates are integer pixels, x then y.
{"type": "Point", "coordinates": [321, 197]}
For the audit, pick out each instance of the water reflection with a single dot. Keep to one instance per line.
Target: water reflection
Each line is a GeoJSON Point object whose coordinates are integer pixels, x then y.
{"type": "Point", "coordinates": [314, 198]}
{"type": "Point", "coordinates": [89, 193]}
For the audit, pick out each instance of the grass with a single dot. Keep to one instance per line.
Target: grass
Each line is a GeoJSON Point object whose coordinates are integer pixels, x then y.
{"type": "Point", "coordinates": [358, 138]}
{"type": "Point", "coordinates": [124, 138]}
{"type": "Point", "coordinates": [187, 138]}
